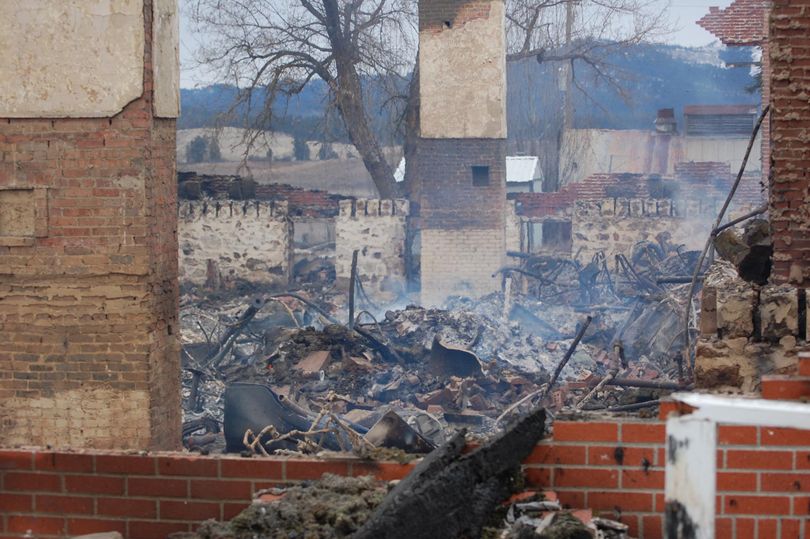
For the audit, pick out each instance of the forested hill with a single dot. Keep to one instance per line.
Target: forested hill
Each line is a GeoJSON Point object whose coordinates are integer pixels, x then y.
{"type": "Point", "coordinates": [650, 77]}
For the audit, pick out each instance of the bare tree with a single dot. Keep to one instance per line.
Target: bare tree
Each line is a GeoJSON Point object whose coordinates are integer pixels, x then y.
{"type": "Point", "coordinates": [274, 48]}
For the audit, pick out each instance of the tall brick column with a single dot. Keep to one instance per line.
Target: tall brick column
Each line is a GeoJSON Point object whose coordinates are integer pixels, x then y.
{"type": "Point", "coordinates": [790, 152]}
{"type": "Point", "coordinates": [461, 155]}
{"type": "Point", "coordinates": [88, 245]}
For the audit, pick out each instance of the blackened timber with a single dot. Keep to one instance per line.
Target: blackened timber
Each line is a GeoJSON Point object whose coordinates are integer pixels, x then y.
{"type": "Point", "coordinates": [457, 498]}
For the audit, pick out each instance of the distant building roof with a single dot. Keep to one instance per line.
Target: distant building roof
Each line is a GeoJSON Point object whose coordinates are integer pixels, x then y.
{"type": "Point", "coordinates": [712, 110]}
{"type": "Point", "coordinates": [741, 23]}
{"type": "Point", "coordinates": [522, 168]}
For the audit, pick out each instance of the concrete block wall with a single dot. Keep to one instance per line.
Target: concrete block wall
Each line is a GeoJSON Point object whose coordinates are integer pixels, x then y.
{"type": "Point", "coordinates": [88, 250]}
{"type": "Point", "coordinates": [249, 241]}
{"type": "Point", "coordinates": [615, 225]}
{"type": "Point", "coordinates": [377, 229]}
{"type": "Point", "coordinates": [790, 184]}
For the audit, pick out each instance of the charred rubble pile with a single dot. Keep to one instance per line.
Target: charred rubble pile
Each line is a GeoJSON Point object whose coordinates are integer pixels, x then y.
{"type": "Point", "coordinates": [452, 492]}
{"type": "Point", "coordinates": [291, 372]}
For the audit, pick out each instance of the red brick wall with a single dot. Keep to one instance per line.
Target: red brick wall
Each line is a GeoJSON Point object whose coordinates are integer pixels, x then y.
{"type": "Point", "coordinates": [763, 482]}
{"type": "Point", "coordinates": [143, 496]}
{"type": "Point", "coordinates": [88, 310]}
{"type": "Point", "coordinates": [790, 118]}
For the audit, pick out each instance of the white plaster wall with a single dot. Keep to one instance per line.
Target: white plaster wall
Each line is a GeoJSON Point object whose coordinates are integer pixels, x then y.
{"type": "Point", "coordinates": [254, 246]}
{"type": "Point", "coordinates": [377, 230]}
{"type": "Point", "coordinates": [166, 58]}
{"type": "Point", "coordinates": [463, 77]}
{"type": "Point", "coordinates": [70, 58]}
{"type": "Point", "coordinates": [586, 152]}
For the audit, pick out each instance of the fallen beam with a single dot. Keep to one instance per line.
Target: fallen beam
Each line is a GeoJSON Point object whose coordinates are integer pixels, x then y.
{"type": "Point", "coordinates": [449, 495]}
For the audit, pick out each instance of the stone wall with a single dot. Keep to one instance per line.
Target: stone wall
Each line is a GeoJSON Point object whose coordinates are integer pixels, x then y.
{"type": "Point", "coordinates": [790, 184]}
{"type": "Point", "coordinates": [615, 225]}
{"type": "Point", "coordinates": [747, 332]}
{"type": "Point", "coordinates": [375, 228]}
{"type": "Point", "coordinates": [88, 252]}
{"type": "Point", "coordinates": [248, 241]}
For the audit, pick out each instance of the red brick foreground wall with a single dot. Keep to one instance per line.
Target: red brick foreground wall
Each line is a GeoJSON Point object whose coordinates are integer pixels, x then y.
{"type": "Point", "coordinates": [761, 490]}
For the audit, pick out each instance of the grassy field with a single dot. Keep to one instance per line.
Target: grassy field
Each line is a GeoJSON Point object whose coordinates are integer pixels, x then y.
{"type": "Point", "coordinates": [346, 175]}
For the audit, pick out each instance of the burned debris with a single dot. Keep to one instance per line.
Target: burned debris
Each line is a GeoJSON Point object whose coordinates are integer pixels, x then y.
{"type": "Point", "coordinates": [284, 368]}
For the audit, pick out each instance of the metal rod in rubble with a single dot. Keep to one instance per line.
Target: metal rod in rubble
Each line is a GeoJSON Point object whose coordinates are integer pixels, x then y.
{"type": "Point", "coordinates": [710, 240]}
{"type": "Point", "coordinates": [352, 284]}
{"type": "Point", "coordinates": [567, 356]}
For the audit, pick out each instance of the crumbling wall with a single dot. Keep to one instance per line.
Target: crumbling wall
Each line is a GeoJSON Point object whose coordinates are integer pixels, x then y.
{"type": "Point", "coordinates": [615, 225]}
{"type": "Point", "coordinates": [249, 241]}
{"type": "Point", "coordinates": [515, 234]}
{"type": "Point", "coordinates": [63, 83]}
{"type": "Point", "coordinates": [747, 332]}
{"type": "Point", "coordinates": [376, 229]}
{"type": "Point", "coordinates": [461, 154]}
{"type": "Point", "coordinates": [790, 184]}
{"type": "Point", "coordinates": [88, 294]}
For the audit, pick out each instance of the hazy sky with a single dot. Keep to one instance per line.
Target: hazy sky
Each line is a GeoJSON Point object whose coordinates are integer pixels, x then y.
{"type": "Point", "coordinates": [683, 14]}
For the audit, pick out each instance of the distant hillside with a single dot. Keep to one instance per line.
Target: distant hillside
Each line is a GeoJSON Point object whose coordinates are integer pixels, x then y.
{"type": "Point", "coordinates": [653, 77]}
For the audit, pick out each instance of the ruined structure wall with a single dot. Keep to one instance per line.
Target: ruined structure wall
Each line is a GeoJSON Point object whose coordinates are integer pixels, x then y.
{"type": "Point", "coordinates": [462, 66]}
{"type": "Point", "coordinates": [745, 334]}
{"type": "Point", "coordinates": [615, 225]}
{"type": "Point", "coordinates": [514, 229]}
{"type": "Point", "coordinates": [376, 228]}
{"type": "Point", "coordinates": [249, 241]}
{"type": "Point", "coordinates": [88, 294]}
{"type": "Point", "coordinates": [463, 225]}
{"type": "Point", "coordinates": [790, 186]}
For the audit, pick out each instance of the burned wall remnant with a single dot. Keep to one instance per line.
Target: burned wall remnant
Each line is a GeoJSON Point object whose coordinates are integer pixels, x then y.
{"type": "Point", "coordinates": [746, 331]}
{"type": "Point", "coordinates": [461, 155]}
{"type": "Point", "coordinates": [615, 225]}
{"type": "Point", "coordinates": [376, 229]}
{"type": "Point", "coordinates": [240, 240]}
{"type": "Point", "coordinates": [88, 297]}
{"type": "Point", "coordinates": [790, 184]}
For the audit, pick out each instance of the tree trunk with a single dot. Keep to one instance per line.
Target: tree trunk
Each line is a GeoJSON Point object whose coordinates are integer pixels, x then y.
{"type": "Point", "coordinates": [349, 98]}
{"type": "Point", "coordinates": [413, 186]}
{"type": "Point", "coordinates": [350, 105]}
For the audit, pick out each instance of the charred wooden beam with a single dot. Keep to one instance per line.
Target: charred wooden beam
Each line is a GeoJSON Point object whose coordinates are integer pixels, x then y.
{"type": "Point", "coordinates": [450, 495]}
